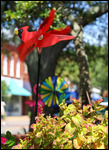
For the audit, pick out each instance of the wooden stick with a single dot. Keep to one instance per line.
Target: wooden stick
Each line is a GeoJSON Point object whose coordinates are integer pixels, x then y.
{"type": "Point", "coordinates": [88, 97]}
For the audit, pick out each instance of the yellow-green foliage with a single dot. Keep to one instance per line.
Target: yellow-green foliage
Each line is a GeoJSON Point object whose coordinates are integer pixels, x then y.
{"type": "Point", "coordinates": [74, 128]}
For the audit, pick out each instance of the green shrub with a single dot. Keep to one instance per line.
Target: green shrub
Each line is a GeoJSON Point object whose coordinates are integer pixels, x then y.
{"type": "Point", "coordinates": [7, 141]}
{"type": "Point", "coordinates": [74, 128]}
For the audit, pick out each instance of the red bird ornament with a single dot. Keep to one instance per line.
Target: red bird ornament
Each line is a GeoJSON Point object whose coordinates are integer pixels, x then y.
{"type": "Point", "coordinates": [41, 38]}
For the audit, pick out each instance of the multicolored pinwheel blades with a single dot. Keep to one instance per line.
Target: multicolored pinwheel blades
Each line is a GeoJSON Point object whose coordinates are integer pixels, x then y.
{"type": "Point", "coordinates": [51, 90]}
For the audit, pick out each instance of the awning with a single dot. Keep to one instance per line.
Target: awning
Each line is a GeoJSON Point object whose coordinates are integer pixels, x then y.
{"type": "Point", "coordinates": [17, 90]}
{"type": "Point", "coordinates": [27, 86]}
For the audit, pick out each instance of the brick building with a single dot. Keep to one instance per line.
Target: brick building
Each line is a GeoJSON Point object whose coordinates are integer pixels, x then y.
{"type": "Point", "coordinates": [15, 74]}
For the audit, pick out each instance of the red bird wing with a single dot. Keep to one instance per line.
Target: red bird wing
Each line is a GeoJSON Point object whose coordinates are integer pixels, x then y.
{"type": "Point", "coordinates": [47, 22]}
{"type": "Point", "coordinates": [51, 39]}
{"type": "Point", "coordinates": [25, 35]}
{"type": "Point", "coordinates": [25, 48]}
{"type": "Point", "coordinates": [62, 31]}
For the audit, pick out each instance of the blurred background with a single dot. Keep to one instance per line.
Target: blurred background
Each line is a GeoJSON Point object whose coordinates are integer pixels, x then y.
{"type": "Point", "coordinates": [88, 19]}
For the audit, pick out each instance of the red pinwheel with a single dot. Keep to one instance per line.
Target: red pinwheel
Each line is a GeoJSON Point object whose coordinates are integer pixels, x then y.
{"type": "Point", "coordinates": [41, 38]}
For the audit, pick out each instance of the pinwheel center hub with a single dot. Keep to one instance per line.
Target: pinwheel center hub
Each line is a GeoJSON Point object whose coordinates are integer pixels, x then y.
{"type": "Point", "coordinates": [55, 92]}
{"type": "Point", "coordinates": [41, 37]}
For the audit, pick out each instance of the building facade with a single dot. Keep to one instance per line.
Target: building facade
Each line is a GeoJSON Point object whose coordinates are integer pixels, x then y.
{"type": "Point", "coordinates": [15, 74]}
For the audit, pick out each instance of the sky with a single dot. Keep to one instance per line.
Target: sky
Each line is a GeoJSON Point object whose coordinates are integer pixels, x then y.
{"type": "Point", "coordinates": [96, 29]}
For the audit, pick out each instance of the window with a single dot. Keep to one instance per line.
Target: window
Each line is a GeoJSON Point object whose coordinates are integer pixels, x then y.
{"type": "Point", "coordinates": [5, 65]}
{"type": "Point", "coordinates": [14, 106]}
{"type": "Point", "coordinates": [12, 67]}
{"type": "Point", "coordinates": [18, 68]}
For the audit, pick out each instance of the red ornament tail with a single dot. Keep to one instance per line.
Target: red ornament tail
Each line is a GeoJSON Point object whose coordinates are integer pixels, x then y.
{"type": "Point", "coordinates": [25, 48]}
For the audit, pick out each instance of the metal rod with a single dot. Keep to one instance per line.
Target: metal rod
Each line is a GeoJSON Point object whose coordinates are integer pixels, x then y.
{"type": "Point", "coordinates": [37, 89]}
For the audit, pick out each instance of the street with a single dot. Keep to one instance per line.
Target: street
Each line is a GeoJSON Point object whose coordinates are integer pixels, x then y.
{"type": "Point", "coordinates": [15, 124]}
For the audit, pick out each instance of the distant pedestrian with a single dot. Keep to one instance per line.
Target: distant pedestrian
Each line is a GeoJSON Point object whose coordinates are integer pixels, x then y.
{"type": "Point", "coordinates": [3, 113]}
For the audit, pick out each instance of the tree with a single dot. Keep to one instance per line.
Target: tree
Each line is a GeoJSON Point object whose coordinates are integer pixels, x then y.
{"type": "Point", "coordinates": [67, 66]}
{"type": "Point", "coordinates": [98, 65]}
{"type": "Point", "coordinates": [4, 90]}
{"type": "Point", "coordinates": [99, 72]}
{"type": "Point", "coordinates": [77, 13]}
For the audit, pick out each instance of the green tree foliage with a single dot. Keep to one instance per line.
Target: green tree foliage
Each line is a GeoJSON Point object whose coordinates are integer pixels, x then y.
{"type": "Point", "coordinates": [67, 66]}
{"type": "Point", "coordinates": [22, 11]}
{"type": "Point", "coordinates": [4, 90]}
{"type": "Point", "coordinates": [98, 65]}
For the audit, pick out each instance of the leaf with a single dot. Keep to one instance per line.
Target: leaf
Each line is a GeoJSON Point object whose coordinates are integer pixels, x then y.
{"type": "Point", "coordinates": [70, 127]}
{"type": "Point", "coordinates": [77, 143]}
{"type": "Point", "coordinates": [98, 117]}
{"type": "Point", "coordinates": [36, 140]}
{"type": "Point", "coordinates": [100, 107]}
{"type": "Point", "coordinates": [95, 103]}
{"type": "Point", "coordinates": [10, 142]}
{"type": "Point", "coordinates": [99, 145]}
{"type": "Point", "coordinates": [70, 109]}
{"type": "Point", "coordinates": [38, 135]}
{"type": "Point", "coordinates": [8, 135]}
{"type": "Point", "coordinates": [78, 120]}
{"type": "Point", "coordinates": [81, 137]}
{"type": "Point", "coordinates": [89, 126]}
{"type": "Point", "coordinates": [84, 130]}
{"type": "Point", "coordinates": [86, 109]}
{"type": "Point", "coordinates": [106, 115]}
{"type": "Point", "coordinates": [33, 126]}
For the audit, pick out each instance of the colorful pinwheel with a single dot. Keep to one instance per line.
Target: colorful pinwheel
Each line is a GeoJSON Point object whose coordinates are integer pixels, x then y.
{"type": "Point", "coordinates": [52, 89]}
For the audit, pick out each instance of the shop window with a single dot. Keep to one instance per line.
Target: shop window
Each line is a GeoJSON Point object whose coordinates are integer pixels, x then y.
{"type": "Point", "coordinates": [14, 106]}
{"type": "Point", "coordinates": [12, 67]}
{"type": "Point", "coordinates": [5, 65]}
{"type": "Point", "coordinates": [18, 68]}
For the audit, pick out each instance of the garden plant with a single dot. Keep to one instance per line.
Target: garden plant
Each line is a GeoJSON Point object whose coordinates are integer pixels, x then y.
{"type": "Point", "coordinates": [77, 14]}
{"type": "Point", "coordinates": [74, 128]}
{"type": "Point", "coordinates": [7, 141]}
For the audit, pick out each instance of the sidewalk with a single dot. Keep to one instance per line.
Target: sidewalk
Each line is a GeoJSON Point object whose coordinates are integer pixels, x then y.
{"type": "Point", "coordinates": [15, 124]}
